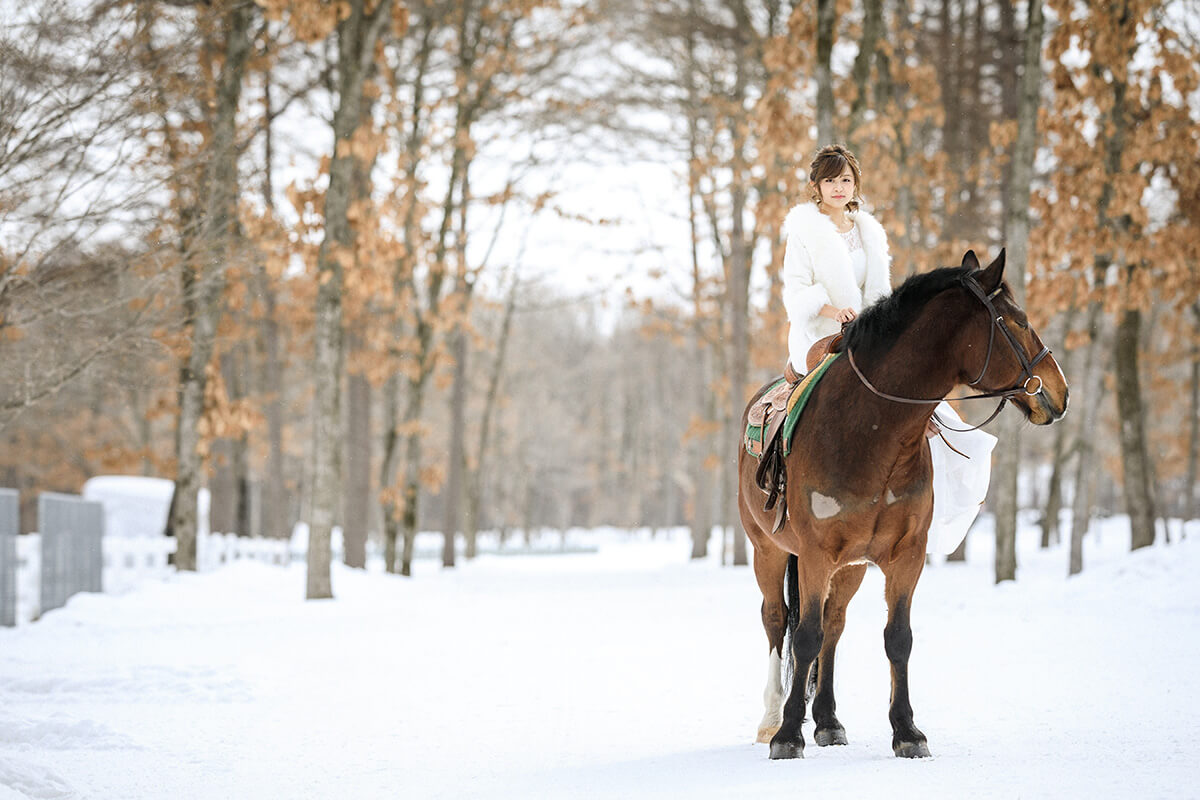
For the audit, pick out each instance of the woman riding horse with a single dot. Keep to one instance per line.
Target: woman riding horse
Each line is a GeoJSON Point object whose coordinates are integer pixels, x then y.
{"type": "Point", "coordinates": [836, 264]}
{"type": "Point", "coordinates": [860, 479]}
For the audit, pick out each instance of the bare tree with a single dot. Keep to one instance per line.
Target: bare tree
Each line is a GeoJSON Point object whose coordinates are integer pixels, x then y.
{"type": "Point", "coordinates": [64, 187]}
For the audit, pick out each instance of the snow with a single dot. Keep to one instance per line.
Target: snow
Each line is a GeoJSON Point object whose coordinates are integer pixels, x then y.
{"type": "Point", "coordinates": [620, 672]}
{"type": "Point", "coordinates": [137, 506]}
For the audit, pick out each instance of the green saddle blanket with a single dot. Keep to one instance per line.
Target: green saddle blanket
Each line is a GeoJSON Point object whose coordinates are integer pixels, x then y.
{"type": "Point", "coordinates": [770, 404]}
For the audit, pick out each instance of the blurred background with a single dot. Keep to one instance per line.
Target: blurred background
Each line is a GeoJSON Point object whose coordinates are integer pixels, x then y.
{"type": "Point", "coordinates": [493, 268]}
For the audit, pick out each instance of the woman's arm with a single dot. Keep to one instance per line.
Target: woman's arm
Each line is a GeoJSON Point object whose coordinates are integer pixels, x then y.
{"type": "Point", "coordinates": [803, 297]}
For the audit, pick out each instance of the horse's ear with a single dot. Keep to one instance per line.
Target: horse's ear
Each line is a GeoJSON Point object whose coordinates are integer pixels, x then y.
{"type": "Point", "coordinates": [970, 260]}
{"type": "Point", "coordinates": [994, 273]}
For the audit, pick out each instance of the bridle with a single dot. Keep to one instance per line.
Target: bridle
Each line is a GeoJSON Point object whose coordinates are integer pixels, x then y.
{"type": "Point", "coordinates": [1027, 364]}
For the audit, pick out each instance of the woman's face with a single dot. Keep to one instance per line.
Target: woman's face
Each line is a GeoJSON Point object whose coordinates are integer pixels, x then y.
{"type": "Point", "coordinates": [836, 192]}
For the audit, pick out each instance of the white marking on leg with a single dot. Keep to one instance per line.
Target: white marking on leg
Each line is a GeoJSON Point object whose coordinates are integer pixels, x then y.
{"type": "Point", "coordinates": [772, 698]}
{"type": "Point", "coordinates": [824, 507]}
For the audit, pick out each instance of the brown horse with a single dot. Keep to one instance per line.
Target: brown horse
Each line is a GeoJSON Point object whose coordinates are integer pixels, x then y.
{"type": "Point", "coordinates": [859, 479]}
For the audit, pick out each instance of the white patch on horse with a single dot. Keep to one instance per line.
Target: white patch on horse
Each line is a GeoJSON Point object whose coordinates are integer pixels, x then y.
{"type": "Point", "coordinates": [824, 507]}
{"type": "Point", "coordinates": [891, 497]}
{"type": "Point", "coordinates": [772, 698]}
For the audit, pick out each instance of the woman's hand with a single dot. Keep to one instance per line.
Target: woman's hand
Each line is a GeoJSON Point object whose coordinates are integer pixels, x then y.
{"type": "Point", "coordinates": [841, 315]}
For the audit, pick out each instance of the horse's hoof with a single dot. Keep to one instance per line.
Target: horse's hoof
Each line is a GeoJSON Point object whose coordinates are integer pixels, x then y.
{"type": "Point", "coordinates": [766, 733]}
{"type": "Point", "coordinates": [827, 736]}
{"type": "Point", "coordinates": [787, 750]}
{"type": "Point", "coordinates": [911, 749]}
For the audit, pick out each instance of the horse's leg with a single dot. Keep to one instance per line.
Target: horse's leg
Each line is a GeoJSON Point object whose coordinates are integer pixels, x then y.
{"type": "Point", "coordinates": [769, 565]}
{"type": "Point", "coordinates": [813, 579]}
{"type": "Point", "coordinates": [843, 586]}
{"type": "Point", "coordinates": [902, 574]}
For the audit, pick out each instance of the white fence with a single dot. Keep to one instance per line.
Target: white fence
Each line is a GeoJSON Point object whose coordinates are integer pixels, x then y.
{"type": "Point", "coordinates": [130, 561]}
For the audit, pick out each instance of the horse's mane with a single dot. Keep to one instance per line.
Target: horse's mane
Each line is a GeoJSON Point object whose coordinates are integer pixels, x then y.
{"type": "Point", "coordinates": [879, 326]}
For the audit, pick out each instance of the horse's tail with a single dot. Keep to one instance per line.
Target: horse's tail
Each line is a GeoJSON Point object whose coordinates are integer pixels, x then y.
{"type": "Point", "coordinates": [791, 582]}
{"type": "Point", "coordinates": [791, 592]}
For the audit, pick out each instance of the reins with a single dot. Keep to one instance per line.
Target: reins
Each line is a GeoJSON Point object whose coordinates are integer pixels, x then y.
{"type": "Point", "coordinates": [1005, 395]}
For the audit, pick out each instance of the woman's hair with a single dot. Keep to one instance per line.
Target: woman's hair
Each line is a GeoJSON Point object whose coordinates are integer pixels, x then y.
{"type": "Point", "coordinates": [829, 163]}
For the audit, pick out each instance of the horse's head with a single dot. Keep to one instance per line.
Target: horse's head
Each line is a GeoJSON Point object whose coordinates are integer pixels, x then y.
{"type": "Point", "coordinates": [1010, 352]}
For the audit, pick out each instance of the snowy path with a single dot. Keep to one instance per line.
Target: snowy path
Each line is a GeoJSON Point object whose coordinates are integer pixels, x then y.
{"type": "Point", "coordinates": [619, 674]}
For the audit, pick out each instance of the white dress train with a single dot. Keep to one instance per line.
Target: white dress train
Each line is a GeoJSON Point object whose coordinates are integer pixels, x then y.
{"type": "Point", "coordinates": [959, 484]}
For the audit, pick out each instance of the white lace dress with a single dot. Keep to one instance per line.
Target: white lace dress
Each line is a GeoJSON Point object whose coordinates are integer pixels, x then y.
{"type": "Point", "coordinates": [960, 483]}
{"type": "Point", "coordinates": [858, 256]}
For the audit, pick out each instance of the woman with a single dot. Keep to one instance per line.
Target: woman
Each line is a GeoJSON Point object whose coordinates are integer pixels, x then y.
{"type": "Point", "coordinates": [836, 263]}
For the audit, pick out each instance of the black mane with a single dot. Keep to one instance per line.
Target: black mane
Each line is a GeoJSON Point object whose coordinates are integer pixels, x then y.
{"type": "Point", "coordinates": [879, 326]}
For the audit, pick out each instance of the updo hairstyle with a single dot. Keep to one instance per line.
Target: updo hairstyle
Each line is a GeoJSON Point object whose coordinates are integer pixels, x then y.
{"type": "Point", "coordinates": [829, 163]}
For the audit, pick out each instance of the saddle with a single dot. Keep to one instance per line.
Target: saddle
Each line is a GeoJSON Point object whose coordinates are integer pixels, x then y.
{"type": "Point", "coordinates": [768, 416]}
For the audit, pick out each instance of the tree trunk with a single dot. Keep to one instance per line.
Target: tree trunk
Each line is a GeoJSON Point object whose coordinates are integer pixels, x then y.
{"type": "Point", "coordinates": [949, 76]}
{"type": "Point", "coordinates": [357, 497]}
{"type": "Point", "coordinates": [872, 28]}
{"type": "Point", "coordinates": [204, 288]}
{"type": "Point", "coordinates": [739, 272]}
{"type": "Point", "coordinates": [240, 444]}
{"type": "Point", "coordinates": [1004, 493]}
{"type": "Point", "coordinates": [387, 471]}
{"type": "Point", "coordinates": [391, 534]}
{"type": "Point", "coordinates": [409, 518]}
{"type": "Point", "coordinates": [475, 486]}
{"type": "Point", "coordinates": [396, 437]}
{"type": "Point", "coordinates": [1009, 63]}
{"type": "Point", "coordinates": [702, 505]}
{"type": "Point", "coordinates": [222, 487]}
{"type": "Point", "coordinates": [274, 518]}
{"type": "Point", "coordinates": [1008, 452]}
{"type": "Point", "coordinates": [275, 514]}
{"type": "Point", "coordinates": [454, 469]}
{"type": "Point", "coordinates": [357, 35]}
{"type": "Point", "coordinates": [1085, 488]}
{"type": "Point", "coordinates": [976, 133]}
{"type": "Point", "coordinates": [1134, 457]}
{"type": "Point", "coordinates": [1085, 471]}
{"type": "Point", "coordinates": [412, 474]}
{"type": "Point", "coordinates": [826, 22]}
{"type": "Point", "coordinates": [1053, 507]}
{"type": "Point", "coordinates": [1062, 453]}
{"type": "Point", "coordinates": [229, 511]}
{"type": "Point", "coordinates": [887, 95]}
{"type": "Point", "coordinates": [241, 471]}
{"type": "Point", "coordinates": [1189, 488]}
{"type": "Point", "coordinates": [703, 405]}
{"type": "Point", "coordinates": [358, 472]}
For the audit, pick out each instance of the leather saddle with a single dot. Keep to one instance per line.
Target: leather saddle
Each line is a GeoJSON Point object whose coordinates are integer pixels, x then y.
{"type": "Point", "coordinates": [771, 412]}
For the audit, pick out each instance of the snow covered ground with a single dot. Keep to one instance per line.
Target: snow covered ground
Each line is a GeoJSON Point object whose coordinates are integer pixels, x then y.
{"type": "Point", "coordinates": [625, 672]}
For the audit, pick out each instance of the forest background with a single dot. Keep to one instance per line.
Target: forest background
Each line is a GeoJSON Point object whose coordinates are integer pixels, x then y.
{"type": "Point", "coordinates": [507, 265]}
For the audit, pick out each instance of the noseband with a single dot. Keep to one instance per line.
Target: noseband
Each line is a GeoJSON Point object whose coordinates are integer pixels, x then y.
{"type": "Point", "coordinates": [1027, 364]}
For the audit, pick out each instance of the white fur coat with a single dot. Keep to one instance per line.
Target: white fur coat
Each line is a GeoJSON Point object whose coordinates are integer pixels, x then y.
{"type": "Point", "coordinates": [817, 272]}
